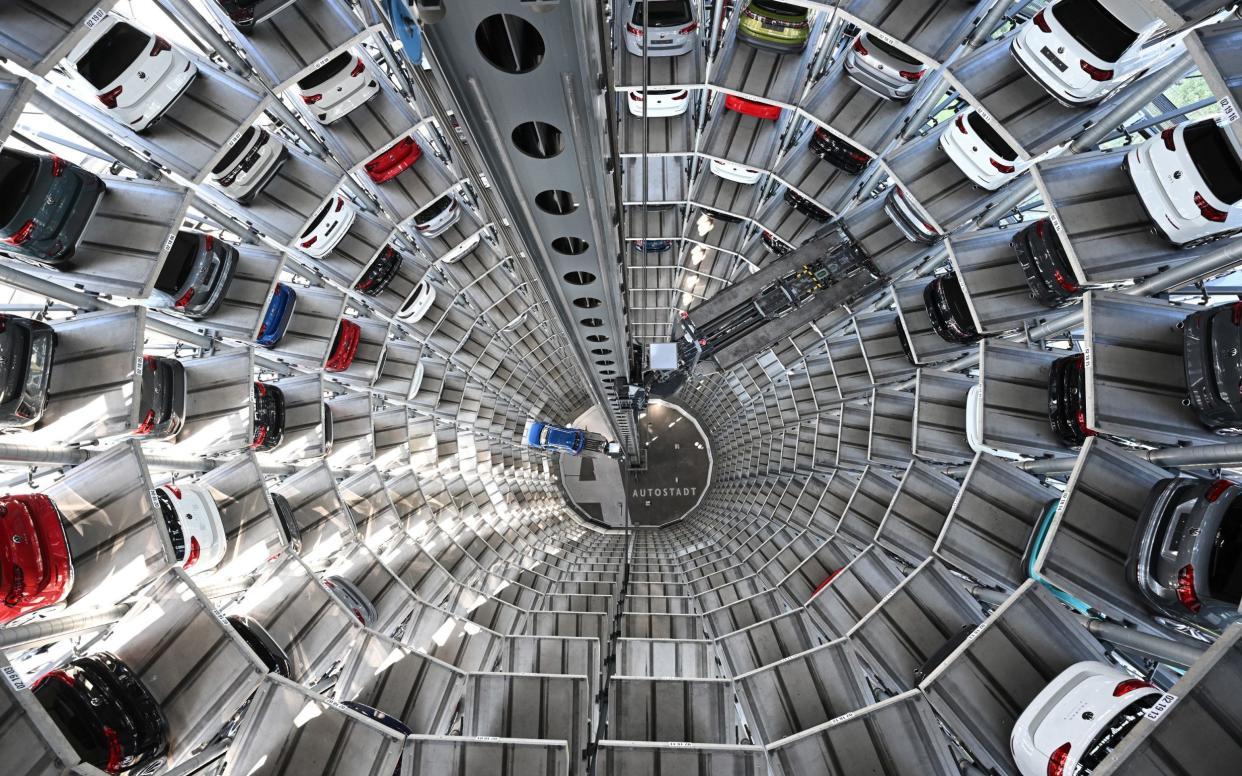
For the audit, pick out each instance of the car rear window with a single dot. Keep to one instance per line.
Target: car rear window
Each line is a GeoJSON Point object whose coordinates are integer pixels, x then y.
{"type": "Point", "coordinates": [334, 66]}
{"type": "Point", "coordinates": [172, 522]}
{"type": "Point", "coordinates": [434, 209]}
{"type": "Point", "coordinates": [892, 51]}
{"type": "Point", "coordinates": [17, 174]}
{"type": "Point", "coordinates": [1215, 160]}
{"type": "Point", "coordinates": [1095, 28]}
{"type": "Point", "coordinates": [1117, 729]}
{"type": "Point", "coordinates": [771, 6]}
{"type": "Point", "coordinates": [319, 217]}
{"type": "Point", "coordinates": [1225, 575]}
{"type": "Point", "coordinates": [179, 262]}
{"type": "Point", "coordinates": [991, 137]}
{"type": "Point", "coordinates": [112, 54]}
{"type": "Point", "coordinates": [663, 13]}
{"type": "Point", "coordinates": [234, 151]}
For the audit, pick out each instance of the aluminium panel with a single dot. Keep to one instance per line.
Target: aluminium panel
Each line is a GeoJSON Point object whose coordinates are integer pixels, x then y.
{"type": "Point", "coordinates": [491, 756]}
{"type": "Point", "coordinates": [354, 436]}
{"type": "Point", "coordinates": [1216, 51]}
{"type": "Point", "coordinates": [853, 591]}
{"type": "Point", "coordinates": [289, 200]}
{"type": "Point", "coordinates": [454, 640]}
{"type": "Point", "coordinates": [665, 135]}
{"type": "Point", "coordinates": [37, 35]}
{"type": "Point", "coordinates": [255, 277]}
{"type": "Point", "coordinates": [698, 711]}
{"type": "Point", "coordinates": [637, 758]}
{"type": "Point", "coordinates": [298, 39]}
{"type": "Point", "coordinates": [769, 641]}
{"type": "Point", "coordinates": [997, 293]}
{"type": "Point", "coordinates": [863, 118]}
{"type": "Point", "coordinates": [392, 600]}
{"type": "Point", "coordinates": [685, 70]}
{"type": "Point", "coordinates": [878, 335]}
{"type": "Point", "coordinates": [392, 437]}
{"type": "Point", "coordinates": [867, 505]}
{"type": "Point", "coordinates": [530, 706]}
{"type": "Point", "coordinates": [250, 523]}
{"type": "Point", "coordinates": [742, 138]}
{"type": "Point", "coordinates": [939, 434]}
{"type": "Point", "coordinates": [917, 513]}
{"type": "Point", "coordinates": [14, 93]}
{"type": "Point", "coordinates": [757, 73]}
{"type": "Point", "coordinates": [419, 690]}
{"type": "Point", "coordinates": [29, 738]}
{"type": "Point", "coordinates": [322, 517]}
{"type": "Point", "coordinates": [993, 516]}
{"type": "Point", "coordinates": [926, 173]}
{"type": "Point", "coordinates": [802, 170]}
{"type": "Point", "coordinates": [1015, 399]}
{"type": "Point", "coordinates": [371, 128]}
{"type": "Point", "coordinates": [219, 407]}
{"type": "Point", "coordinates": [854, 436]}
{"type": "Point", "coordinates": [926, 345]}
{"type": "Point", "coordinates": [304, 419]}
{"type": "Point", "coordinates": [892, 427]}
{"type": "Point", "coordinates": [684, 658]}
{"type": "Point", "coordinates": [928, 29]}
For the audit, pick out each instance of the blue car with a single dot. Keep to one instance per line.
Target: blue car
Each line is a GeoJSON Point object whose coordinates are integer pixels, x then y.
{"type": "Point", "coordinates": [549, 437]}
{"type": "Point", "coordinates": [276, 319]}
{"type": "Point", "coordinates": [653, 246]}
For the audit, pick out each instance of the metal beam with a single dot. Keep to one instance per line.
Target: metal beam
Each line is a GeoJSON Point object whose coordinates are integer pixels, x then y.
{"type": "Point", "coordinates": [136, 162]}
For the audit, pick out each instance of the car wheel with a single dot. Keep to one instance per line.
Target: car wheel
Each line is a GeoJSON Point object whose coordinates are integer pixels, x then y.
{"type": "Point", "coordinates": [152, 768]}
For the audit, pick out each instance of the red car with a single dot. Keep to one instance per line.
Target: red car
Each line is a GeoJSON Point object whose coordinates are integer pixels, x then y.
{"type": "Point", "coordinates": [404, 153]}
{"type": "Point", "coordinates": [760, 110]}
{"type": "Point", "coordinates": [344, 346]}
{"type": "Point", "coordinates": [36, 566]}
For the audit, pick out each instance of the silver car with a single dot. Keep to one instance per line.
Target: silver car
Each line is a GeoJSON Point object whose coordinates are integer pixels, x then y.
{"type": "Point", "coordinates": [884, 70]}
{"type": "Point", "coordinates": [195, 275]}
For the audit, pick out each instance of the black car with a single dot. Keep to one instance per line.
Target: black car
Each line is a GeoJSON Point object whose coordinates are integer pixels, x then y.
{"type": "Point", "coordinates": [720, 215]}
{"type": "Point", "coordinates": [262, 644]}
{"type": "Point", "coordinates": [1186, 556]}
{"type": "Point", "coordinates": [26, 350]}
{"type": "Point", "coordinates": [380, 273]}
{"type": "Point", "coordinates": [106, 713]}
{"type": "Point", "coordinates": [904, 340]}
{"type": "Point", "coordinates": [45, 205]}
{"type": "Point", "coordinates": [386, 720]}
{"type": "Point", "coordinates": [1067, 400]}
{"type": "Point", "coordinates": [244, 14]}
{"type": "Point", "coordinates": [196, 274]}
{"type": "Point", "coordinates": [288, 523]}
{"type": "Point", "coordinates": [837, 152]}
{"type": "Point", "coordinates": [775, 244]}
{"type": "Point", "coordinates": [328, 434]}
{"type": "Point", "coordinates": [161, 404]}
{"type": "Point", "coordinates": [249, 164]}
{"type": "Point", "coordinates": [1045, 265]}
{"type": "Point", "coordinates": [945, 302]}
{"type": "Point", "coordinates": [269, 417]}
{"type": "Point", "coordinates": [1212, 361]}
{"type": "Point", "coordinates": [936, 658]}
{"type": "Point", "coordinates": [806, 207]}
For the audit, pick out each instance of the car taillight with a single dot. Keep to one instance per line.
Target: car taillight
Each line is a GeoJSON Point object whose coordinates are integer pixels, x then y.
{"type": "Point", "coordinates": [17, 587]}
{"type": "Point", "coordinates": [21, 235]}
{"type": "Point", "coordinates": [1002, 167]}
{"type": "Point", "coordinates": [185, 298]}
{"type": "Point", "coordinates": [196, 550]}
{"type": "Point", "coordinates": [1237, 314]}
{"type": "Point", "coordinates": [261, 388]}
{"type": "Point", "coordinates": [1096, 73]}
{"type": "Point", "coordinates": [1041, 22]}
{"type": "Point", "coordinates": [689, 28]}
{"type": "Point", "coordinates": [1207, 211]}
{"type": "Point", "coordinates": [358, 68]}
{"type": "Point", "coordinates": [637, 96]}
{"type": "Point", "coordinates": [859, 157]}
{"type": "Point", "coordinates": [259, 438]}
{"type": "Point", "coordinates": [1081, 417]}
{"type": "Point", "coordinates": [859, 47]}
{"type": "Point", "coordinates": [311, 99]}
{"type": "Point", "coordinates": [1169, 141]}
{"type": "Point", "coordinates": [683, 95]}
{"type": "Point", "coordinates": [109, 98]}
{"type": "Point", "coordinates": [227, 180]}
{"type": "Point", "coordinates": [58, 166]}
{"type": "Point", "coordinates": [1186, 588]}
{"type": "Point", "coordinates": [310, 242]}
{"type": "Point", "coordinates": [147, 423]}
{"type": "Point", "coordinates": [209, 241]}
{"type": "Point", "coordinates": [59, 676]}
{"type": "Point", "coordinates": [960, 123]}
{"type": "Point", "coordinates": [910, 75]}
{"type": "Point", "coordinates": [1217, 490]}
{"type": "Point", "coordinates": [1056, 761]}
{"type": "Point", "coordinates": [1066, 283]}
{"type": "Point", "coordinates": [358, 614]}
{"type": "Point", "coordinates": [160, 45]}
{"type": "Point", "coordinates": [149, 362]}
{"type": "Point", "coordinates": [173, 489]}
{"type": "Point", "coordinates": [116, 754]}
{"type": "Point", "coordinates": [1129, 686]}
{"type": "Point", "coordinates": [340, 203]}
{"type": "Point", "coordinates": [631, 29]}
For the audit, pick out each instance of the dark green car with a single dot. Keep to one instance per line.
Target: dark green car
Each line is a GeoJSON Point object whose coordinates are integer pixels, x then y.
{"type": "Point", "coordinates": [45, 205]}
{"type": "Point", "coordinates": [774, 26]}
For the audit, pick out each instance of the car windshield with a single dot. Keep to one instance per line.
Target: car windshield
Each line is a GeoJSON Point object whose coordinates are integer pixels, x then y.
{"type": "Point", "coordinates": [234, 151]}
{"type": "Point", "coordinates": [1116, 730]}
{"type": "Point", "coordinates": [1095, 28]}
{"type": "Point", "coordinates": [1215, 160]}
{"type": "Point", "coordinates": [17, 173]}
{"type": "Point", "coordinates": [112, 54]}
{"type": "Point", "coordinates": [663, 13]}
{"type": "Point", "coordinates": [336, 65]}
{"type": "Point", "coordinates": [1225, 575]}
{"type": "Point", "coordinates": [180, 261]}
{"type": "Point", "coordinates": [991, 137]}
{"type": "Point", "coordinates": [893, 51]}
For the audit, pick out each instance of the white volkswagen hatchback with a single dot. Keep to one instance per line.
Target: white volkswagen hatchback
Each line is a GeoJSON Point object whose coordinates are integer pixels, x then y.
{"type": "Point", "coordinates": [337, 87]}
{"type": "Point", "coordinates": [1189, 180]}
{"type": "Point", "coordinates": [738, 173]}
{"type": "Point", "coordinates": [325, 231]}
{"type": "Point", "coordinates": [1081, 51]}
{"type": "Point", "coordinates": [136, 75]}
{"type": "Point", "coordinates": [194, 526]}
{"type": "Point", "coordinates": [660, 103]}
{"type": "Point", "coordinates": [980, 152]}
{"type": "Point", "coordinates": [672, 27]}
{"type": "Point", "coordinates": [1079, 718]}
{"type": "Point", "coordinates": [419, 302]}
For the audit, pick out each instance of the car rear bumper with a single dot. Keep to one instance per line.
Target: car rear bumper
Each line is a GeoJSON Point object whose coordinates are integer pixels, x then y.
{"type": "Point", "coordinates": [215, 294]}
{"type": "Point", "coordinates": [339, 109]}
{"type": "Point", "coordinates": [905, 222]}
{"type": "Point", "coordinates": [896, 88]}
{"type": "Point", "coordinates": [262, 175]}
{"type": "Point", "coordinates": [26, 408]}
{"type": "Point", "coordinates": [754, 35]}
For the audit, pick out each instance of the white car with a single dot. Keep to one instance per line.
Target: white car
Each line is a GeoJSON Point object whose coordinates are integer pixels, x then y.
{"type": "Point", "coordinates": [672, 31]}
{"type": "Point", "coordinates": [1081, 51]}
{"type": "Point", "coordinates": [354, 599]}
{"type": "Point", "coordinates": [462, 248]}
{"type": "Point", "coordinates": [419, 302]}
{"type": "Point", "coordinates": [337, 87]}
{"type": "Point", "coordinates": [660, 103]}
{"type": "Point", "coordinates": [885, 71]}
{"type": "Point", "coordinates": [911, 220]}
{"type": "Point", "coordinates": [136, 75]}
{"type": "Point", "coordinates": [974, 426]}
{"type": "Point", "coordinates": [325, 231]}
{"type": "Point", "coordinates": [416, 384]}
{"type": "Point", "coordinates": [980, 152]}
{"type": "Point", "coordinates": [194, 526]}
{"type": "Point", "coordinates": [250, 162]}
{"type": "Point", "coordinates": [1079, 718]}
{"type": "Point", "coordinates": [436, 218]}
{"type": "Point", "coordinates": [1189, 180]}
{"type": "Point", "coordinates": [738, 173]}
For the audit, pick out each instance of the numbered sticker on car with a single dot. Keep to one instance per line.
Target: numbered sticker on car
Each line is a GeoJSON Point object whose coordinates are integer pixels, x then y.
{"type": "Point", "coordinates": [1227, 110]}
{"type": "Point", "coordinates": [96, 17]}
{"type": "Point", "coordinates": [1165, 703]}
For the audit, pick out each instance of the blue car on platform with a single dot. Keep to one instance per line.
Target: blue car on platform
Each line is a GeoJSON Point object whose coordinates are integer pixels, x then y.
{"type": "Point", "coordinates": [549, 437]}
{"type": "Point", "coordinates": [276, 319]}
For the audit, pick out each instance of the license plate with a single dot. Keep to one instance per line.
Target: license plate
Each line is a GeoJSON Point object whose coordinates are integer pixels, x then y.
{"type": "Point", "coordinates": [772, 26]}
{"type": "Point", "coordinates": [1053, 59]}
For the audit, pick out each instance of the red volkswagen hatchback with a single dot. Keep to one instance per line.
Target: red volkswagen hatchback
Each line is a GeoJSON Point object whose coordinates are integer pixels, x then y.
{"type": "Point", "coordinates": [36, 566]}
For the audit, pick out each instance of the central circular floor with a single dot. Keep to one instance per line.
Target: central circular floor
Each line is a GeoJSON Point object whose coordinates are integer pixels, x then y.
{"type": "Point", "coordinates": [672, 481]}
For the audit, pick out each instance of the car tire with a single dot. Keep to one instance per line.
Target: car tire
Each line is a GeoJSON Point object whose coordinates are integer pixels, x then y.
{"type": "Point", "coordinates": [151, 768]}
